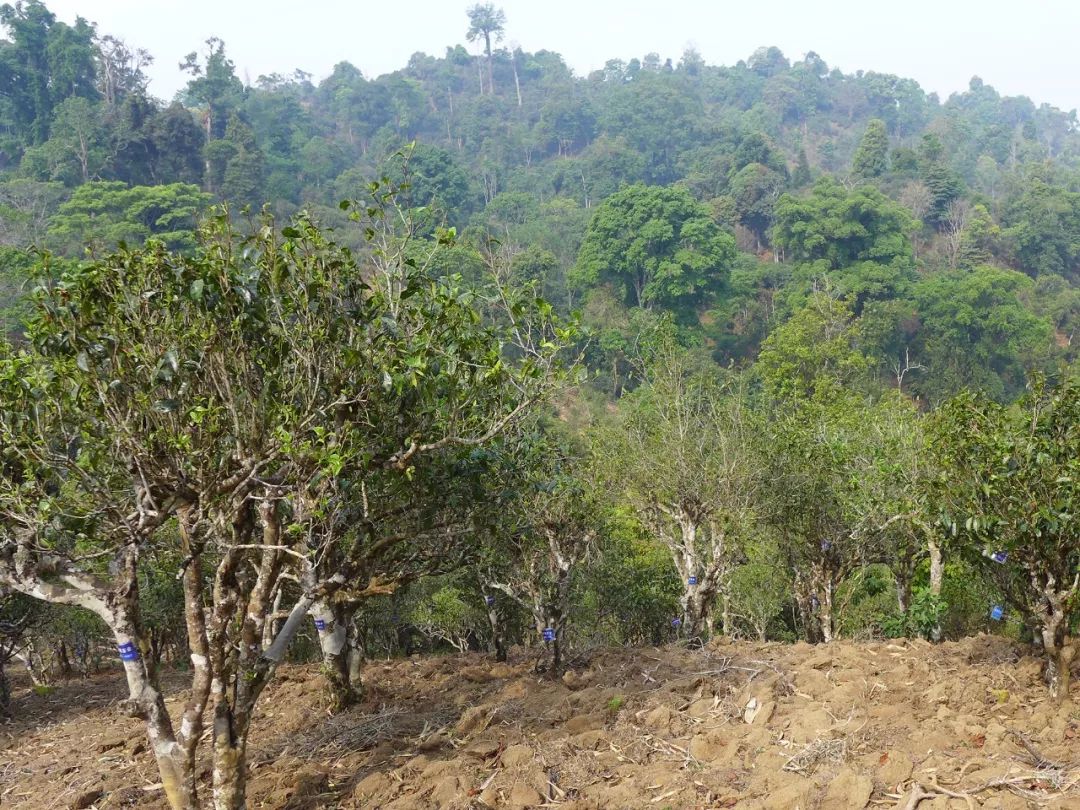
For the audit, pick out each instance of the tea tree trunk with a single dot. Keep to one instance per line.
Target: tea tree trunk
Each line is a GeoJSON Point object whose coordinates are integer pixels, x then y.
{"type": "Point", "coordinates": [340, 655]}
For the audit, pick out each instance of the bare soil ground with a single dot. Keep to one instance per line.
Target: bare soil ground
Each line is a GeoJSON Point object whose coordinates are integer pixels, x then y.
{"type": "Point", "coordinates": [740, 725]}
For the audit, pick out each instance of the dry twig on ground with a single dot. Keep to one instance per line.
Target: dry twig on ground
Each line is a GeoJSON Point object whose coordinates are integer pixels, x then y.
{"type": "Point", "coordinates": [348, 732]}
{"type": "Point", "coordinates": [1035, 755]}
{"type": "Point", "coordinates": [813, 754]}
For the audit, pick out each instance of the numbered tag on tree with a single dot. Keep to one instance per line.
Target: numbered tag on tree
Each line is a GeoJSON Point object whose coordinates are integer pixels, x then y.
{"type": "Point", "coordinates": [320, 624]}
{"type": "Point", "coordinates": [692, 580]}
{"type": "Point", "coordinates": [490, 600]}
{"type": "Point", "coordinates": [997, 612]}
{"type": "Point", "coordinates": [999, 556]}
{"type": "Point", "coordinates": [676, 623]}
{"type": "Point", "coordinates": [549, 634]}
{"type": "Point", "coordinates": [128, 652]}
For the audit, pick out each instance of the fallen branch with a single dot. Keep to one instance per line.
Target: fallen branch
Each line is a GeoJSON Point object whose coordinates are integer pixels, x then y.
{"type": "Point", "coordinates": [1037, 758]}
{"type": "Point", "coordinates": [1013, 783]}
{"type": "Point", "coordinates": [911, 801]}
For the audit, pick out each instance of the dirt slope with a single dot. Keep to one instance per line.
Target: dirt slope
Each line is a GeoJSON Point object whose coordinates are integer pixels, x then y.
{"type": "Point", "coordinates": [742, 725]}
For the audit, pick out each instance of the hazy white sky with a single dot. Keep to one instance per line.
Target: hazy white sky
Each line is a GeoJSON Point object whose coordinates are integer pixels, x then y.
{"type": "Point", "coordinates": [1027, 47]}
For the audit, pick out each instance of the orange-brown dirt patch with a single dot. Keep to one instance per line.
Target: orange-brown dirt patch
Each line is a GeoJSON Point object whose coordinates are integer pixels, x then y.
{"type": "Point", "coordinates": [739, 725]}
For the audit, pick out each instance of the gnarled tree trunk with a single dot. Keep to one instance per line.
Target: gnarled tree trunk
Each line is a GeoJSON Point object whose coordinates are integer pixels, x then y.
{"type": "Point", "coordinates": [146, 700]}
{"type": "Point", "coordinates": [697, 603]}
{"type": "Point", "coordinates": [229, 755]}
{"type": "Point", "coordinates": [498, 632]}
{"type": "Point", "coordinates": [828, 632]}
{"type": "Point", "coordinates": [1060, 650]}
{"type": "Point", "coordinates": [340, 657]}
{"type": "Point", "coordinates": [937, 576]}
{"type": "Point", "coordinates": [805, 602]}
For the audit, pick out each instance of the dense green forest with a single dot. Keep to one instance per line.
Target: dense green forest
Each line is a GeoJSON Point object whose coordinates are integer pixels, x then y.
{"type": "Point", "coordinates": [951, 224]}
{"type": "Point", "coordinates": [661, 352]}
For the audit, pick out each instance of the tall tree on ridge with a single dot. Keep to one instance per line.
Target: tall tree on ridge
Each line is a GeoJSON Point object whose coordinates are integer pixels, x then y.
{"type": "Point", "coordinates": [490, 23]}
{"type": "Point", "coordinates": [213, 85]}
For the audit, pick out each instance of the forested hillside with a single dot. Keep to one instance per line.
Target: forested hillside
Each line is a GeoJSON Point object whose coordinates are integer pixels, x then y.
{"type": "Point", "coordinates": [952, 225]}
{"type": "Point", "coordinates": [484, 355]}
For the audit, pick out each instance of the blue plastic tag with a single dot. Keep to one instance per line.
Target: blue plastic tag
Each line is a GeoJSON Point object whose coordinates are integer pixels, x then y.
{"type": "Point", "coordinates": [999, 556]}
{"type": "Point", "coordinates": [676, 622]}
{"type": "Point", "coordinates": [128, 652]}
{"type": "Point", "coordinates": [320, 624]}
{"type": "Point", "coordinates": [692, 580]}
{"type": "Point", "coordinates": [549, 634]}
{"type": "Point", "coordinates": [996, 612]}
{"type": "Point", "coordinates": [826, 545]}
{"type": "Point", "coordinates": [490, 600]}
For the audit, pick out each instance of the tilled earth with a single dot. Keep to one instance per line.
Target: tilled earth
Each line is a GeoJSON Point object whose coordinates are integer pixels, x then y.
{"type": "Point", "coordinates": [734, 725]}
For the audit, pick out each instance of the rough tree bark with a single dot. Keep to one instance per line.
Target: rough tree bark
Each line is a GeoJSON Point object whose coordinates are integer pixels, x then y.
{"type": "Point", "coordinates": [904, 571]}
{"type": "Point", "coordinates": [828, 633]}
{"type": "Point", "coordinates": [240, 678]}
{"type": "Point", "coordinates": [147, 702]}
{"type": "Point", "coordinates": [116, 602]}
{"type": "Point", "coordinates": [704, 567]}
{"type": "Point", "coordinates": [1060, 650]}
{"type": "Point", "coordinates": [339, 641]}
{"type": "Point", "coordinates": [560, 605]}
{"type": "Point", "coordinates": [498, 632]}
{"type": "Point", "coordinates": [937, 565]}
{"type": "Point", "coordinates": [191, 723]}
{"type": "Point", "coordinates": [545, 588]}
{"type": "Point", "coordinates": [332, 622]}
{"type": "Point", "coordinates": [804, 600]}
{"type": "Point", "coordinates": [698, 581]}
{"type": "Point", "coordinates": [937, 575]}
{"type": "Point", "coordinates": [829, 568]}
